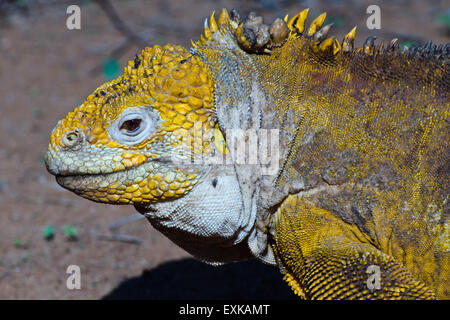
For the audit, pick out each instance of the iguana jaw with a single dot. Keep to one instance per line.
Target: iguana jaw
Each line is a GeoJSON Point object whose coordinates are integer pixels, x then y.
{"type": "Point", "coordinates": [109, 187]}
{"type": "Point", "coordinates": [152, 180]}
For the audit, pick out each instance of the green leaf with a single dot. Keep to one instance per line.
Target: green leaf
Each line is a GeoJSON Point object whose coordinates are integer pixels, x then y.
{"type": "Point", "coordinates": [34, 91]}
{"type": "Point", "coordinates": [37, 112]}
{"type": "Point", "coordinates": [49, 232]}
{"type": "Point", "coordinates": [443, 19]}
{"type": "Point", "coordinates": [407, 44]}
{"type": "Point", "coordinates": [337, 21]}
{"type": "Point", "coordinates": [70, 232]}
{"type": "Point", "coordinates": [22, 3]}
{"type": "Point", "coordinates": [111, 68]}
{"type": "Point", "coordinates": [19, 243]}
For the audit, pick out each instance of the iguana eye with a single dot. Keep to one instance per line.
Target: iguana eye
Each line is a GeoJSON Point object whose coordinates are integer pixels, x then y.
{"type": "Point", "coordinates": [134, 125]}
{"type": "Point", "coordinates": [131, 125]}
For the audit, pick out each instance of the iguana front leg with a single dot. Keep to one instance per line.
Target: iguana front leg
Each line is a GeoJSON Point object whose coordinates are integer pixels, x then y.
{"type": "Point", "coordinates": [324, 257]}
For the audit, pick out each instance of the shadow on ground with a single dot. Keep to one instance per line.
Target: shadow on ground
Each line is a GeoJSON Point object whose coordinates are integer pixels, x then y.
{"type": "Point", "coordinates": [190, 279]}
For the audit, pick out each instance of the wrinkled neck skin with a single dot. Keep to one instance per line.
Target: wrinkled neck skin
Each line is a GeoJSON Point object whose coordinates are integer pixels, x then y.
{"type": "Point", "coordinates": [241, 103]}
{"type": "Point", "coordinates": [209, 222]}
{"type": "Point", "coordinates": [224, 217]}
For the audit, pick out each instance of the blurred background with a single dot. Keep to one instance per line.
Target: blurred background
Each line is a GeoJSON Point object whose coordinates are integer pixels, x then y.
{"type": "Point", "coordinates": [46, 70]}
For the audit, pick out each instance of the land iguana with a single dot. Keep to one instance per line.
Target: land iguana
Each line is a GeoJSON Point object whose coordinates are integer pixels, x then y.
{"type": "Point", "coordinates": [353, 203]}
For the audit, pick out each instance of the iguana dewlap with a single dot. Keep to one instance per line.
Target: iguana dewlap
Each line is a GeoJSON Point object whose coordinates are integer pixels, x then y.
{"type": "Point", "coordinates": [343, 179]}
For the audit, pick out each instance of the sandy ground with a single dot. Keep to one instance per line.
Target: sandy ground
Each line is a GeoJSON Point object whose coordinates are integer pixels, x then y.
{"type": "Point", "coordinates": [45, 71]}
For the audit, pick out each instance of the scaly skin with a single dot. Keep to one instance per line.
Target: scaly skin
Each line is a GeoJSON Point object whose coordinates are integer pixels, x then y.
{"type": "Point", "coordinates": [364, 154]}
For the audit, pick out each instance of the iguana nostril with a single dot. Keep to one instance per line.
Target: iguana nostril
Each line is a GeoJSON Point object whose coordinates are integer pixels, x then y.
{"type": "Point", "coordinates": [72, 138]}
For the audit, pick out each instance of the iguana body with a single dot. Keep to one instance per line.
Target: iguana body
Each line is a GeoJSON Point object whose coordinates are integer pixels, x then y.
{"type": "Point", "coordinates": [362, 181]}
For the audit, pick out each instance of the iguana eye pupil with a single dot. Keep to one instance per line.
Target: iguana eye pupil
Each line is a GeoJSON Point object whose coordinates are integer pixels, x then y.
{"type": "Point", "coordinates": [131, 125]}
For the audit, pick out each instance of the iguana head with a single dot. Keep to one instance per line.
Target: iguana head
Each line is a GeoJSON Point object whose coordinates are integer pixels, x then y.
{"type": "Point", "coordinates": [118, 146]}
{"type": "Point", "coordinates": [133, 140]}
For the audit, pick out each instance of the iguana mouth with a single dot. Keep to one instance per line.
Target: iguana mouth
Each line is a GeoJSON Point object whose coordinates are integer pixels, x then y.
{"type": "Point", "coordinates": [150, 181]}
{"type": "Point", "coordinates": [66, 175]}
{"type": "Point", "coordinates": [87, 175]}
{"type": "Point", "coordinates": [91, 181]}
{"type": "Point", "coordinates": [110, 187]}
